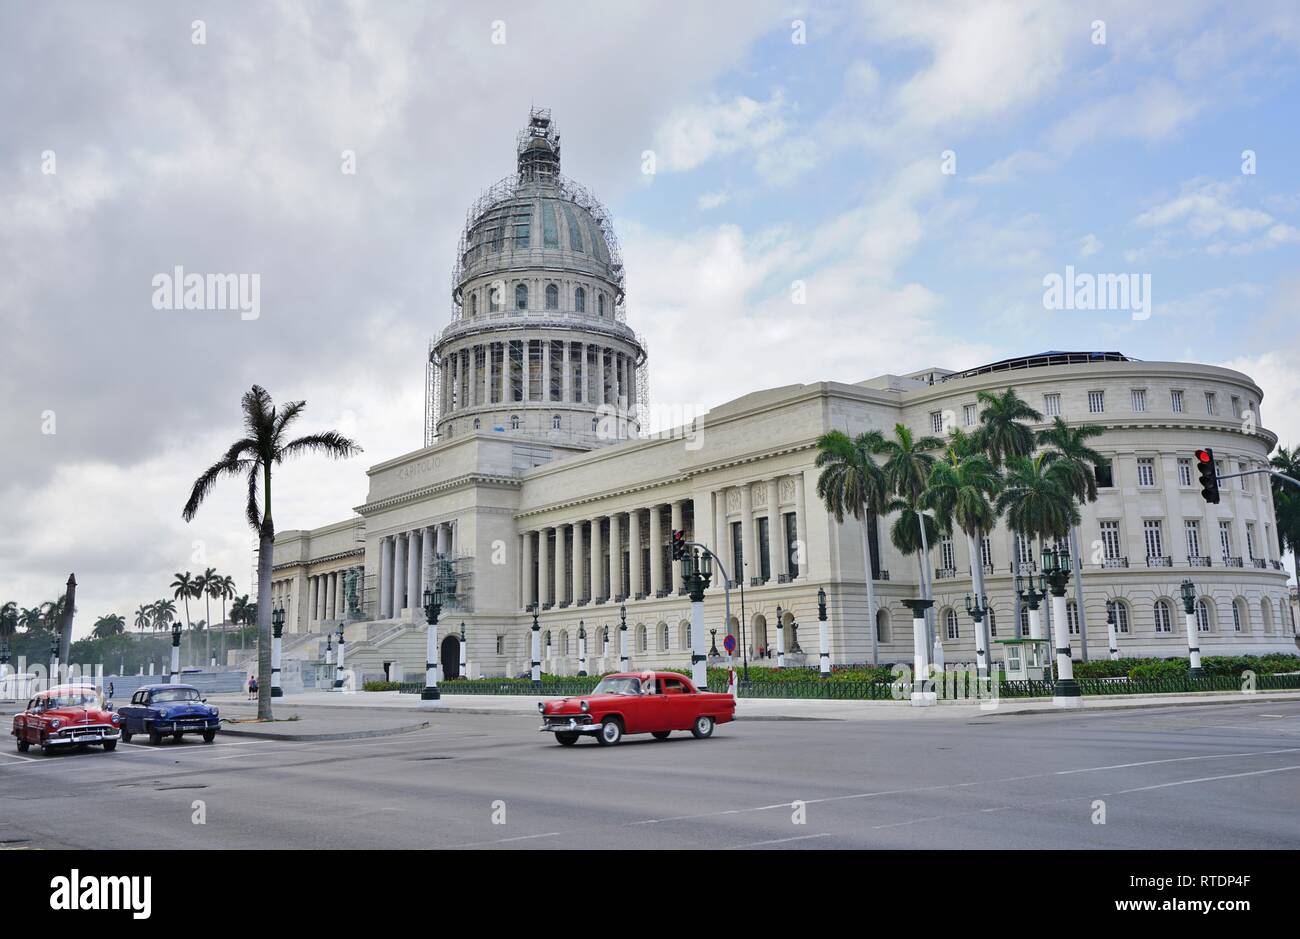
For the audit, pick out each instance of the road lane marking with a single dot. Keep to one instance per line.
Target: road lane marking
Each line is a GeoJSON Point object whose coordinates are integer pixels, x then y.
{"type": "Point", "coordinates": [759, 844]}
{"type": "Point", "coordinates": [1177, 759]}
{"type": "Point", "coordinates": [1188, 782]}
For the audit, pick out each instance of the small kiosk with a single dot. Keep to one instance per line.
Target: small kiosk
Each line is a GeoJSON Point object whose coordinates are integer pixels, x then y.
{"type": "Point", "coordinates": [1027, 659]}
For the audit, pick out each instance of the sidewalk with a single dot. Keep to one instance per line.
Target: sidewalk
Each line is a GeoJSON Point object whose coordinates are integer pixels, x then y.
{"type": "Point", "coordinates": [315, 703]}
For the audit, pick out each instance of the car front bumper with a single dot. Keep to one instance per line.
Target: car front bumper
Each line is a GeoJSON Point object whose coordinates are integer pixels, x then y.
{"type": "Point", "coordinates": [64, 738]}
{"type": "Point", "coordinates": [182, 726]}
{"type": "Point", "coordinates": [565, 724]}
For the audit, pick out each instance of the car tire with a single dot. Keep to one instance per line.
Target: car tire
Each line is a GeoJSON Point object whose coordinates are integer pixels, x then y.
{"type": "Point", "coordinates": [110, 745]}
{"type": "Point", "coordinates": [661, 734]}
{"type": "Point", "coordinates": [209, 736]}
{"type": "Point", "coordinates": [155, 738]}
{"type": "Point", "coordinates": [567, 738]}
{"type": "Point", "coordinates": [23, 745]}
{"type": "Point", "coordinates": [611, 732]}
{"type": "Point", "coordinates": [703, 727]}
{"type": "Point", "coordinates": [47, 749]}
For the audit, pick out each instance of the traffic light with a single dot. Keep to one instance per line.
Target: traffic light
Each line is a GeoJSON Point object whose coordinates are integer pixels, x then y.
{"type": "Point", "coordinates": [679, 544]}
{"type": "Point", "coordinates": [1209, 477]}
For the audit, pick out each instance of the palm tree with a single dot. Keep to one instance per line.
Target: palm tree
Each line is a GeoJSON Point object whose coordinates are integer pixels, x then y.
{"type": "Point", "coordinates": [1037, 498]}
{"type": "Point", "coordinates": [912, 532]}
{"type": "Point", "coordinates": [1001, 432]}
{"type": "Point", "coordinates": [143, 617]}
{"type": "Point", "coordinates": [31, 619]}
{"type": "Point", "coordinates": [962, 487]}
{"type": "Point", "coordinates": [109, 625]}
{"type": "Point", "coordinates": [239, 613]}
{"type": "Point", "coordinates": [164, 611]}
{"type": "Point", "coordinates": [851, 482]}
{"type": "Point", "coordinates": [1286, 504]}
{"type": "Point", "coordinates": [223, 587]}
{"type": "Point", "coordinates": [8, 625]}
{"type": "Point", "coordinates": [907, 471]}
{"type": "Point", "coordinates": [252, 456]}
{"type": "Point", "coordinates": [206, 585]}
{"type": "Point", "coordinates": [1080, 462]}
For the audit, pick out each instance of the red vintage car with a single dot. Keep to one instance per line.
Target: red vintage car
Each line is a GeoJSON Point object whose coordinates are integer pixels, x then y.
{"type": "Point", "coordinates": [66, 716]}
{"type": "Point", "coordinates": [655, 703]}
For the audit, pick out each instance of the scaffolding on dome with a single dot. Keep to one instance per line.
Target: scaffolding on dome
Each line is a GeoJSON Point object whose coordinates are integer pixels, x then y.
{"type": "Point", "coordinates": [432, 394]}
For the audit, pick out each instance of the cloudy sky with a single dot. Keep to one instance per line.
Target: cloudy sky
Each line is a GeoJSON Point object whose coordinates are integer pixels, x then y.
{"type": "Point", "coordinates": [919, 168]}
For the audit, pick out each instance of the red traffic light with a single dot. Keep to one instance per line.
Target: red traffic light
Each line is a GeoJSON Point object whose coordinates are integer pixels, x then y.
{"type": "Point", "coordinates": [1204, 456]}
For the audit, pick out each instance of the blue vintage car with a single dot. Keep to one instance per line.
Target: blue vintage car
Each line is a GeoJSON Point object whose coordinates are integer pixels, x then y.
{"type": "Point", "coordinates": [168, 710]}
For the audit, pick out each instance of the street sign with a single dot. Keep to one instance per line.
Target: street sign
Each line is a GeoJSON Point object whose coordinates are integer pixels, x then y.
{"type": "Point", "coordinates": [729, 643]}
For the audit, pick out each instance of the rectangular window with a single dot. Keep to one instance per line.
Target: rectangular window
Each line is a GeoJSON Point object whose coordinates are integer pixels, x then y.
{"type": "Point", "coordinates": [1211, 405]}
{"type": "Point", "coordinates": [1162, 617]}
{"type": "Point", "coordinates": [947, 559]}
{"type": "Point", "coordinates": [1250, 540]}
{"type": "Point", "coordinates": [1184, 471]}
{"type": "Point", "coordinates": [1176, 401]}
{"type": "Point", "coordinates": [1146, 471]}
{"type": "Point", "coordinates": [1139, 399]}
{"type": "Point", "coordinates": [764, 551]}
{"type": "Point", "coordinates": [936, 422]}
{"type": "Point", "coordinates": [1052, 405]}
{"type": "Point", "coordinates": [1025, 549]}
{"type": "Point", "coordinates": [792, 543]}
{"type": "Point", "coordinates": [970, 413]}
{"type": "Point", "coordinates": [1193, 528]}
{"type": "Point", "coordinates": [986, 551]}
{"type": "Point", "coordinates": [1225, 539]}
{"type": "Point", "coordinates": [1072, 617]}
{"type": "Point", "coordinates": [1110, 539]}
{"type": "Point", "coordinates": [1154, 536]}
{"type": "Point", "coordinates": [521, 235]}
{"type": "Point", "coordinates": [737, 551]}
{"type": "Point", "coordinates": [1243, 481]}
{"type": "Point", "coordinates": [1236, 406]}
{"type": "Point", "coordinates": [1104, 475]}
{"type": "Point", "coordinates": [1096, 402]}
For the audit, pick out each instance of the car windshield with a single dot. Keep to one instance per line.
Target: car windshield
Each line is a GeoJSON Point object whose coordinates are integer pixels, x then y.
{"type": "Point", "coordinates": [70, 699]}
{"type": "Point", "coordinates": [175, 694]}
{"type": "Point", "coordinates": [614, 685]}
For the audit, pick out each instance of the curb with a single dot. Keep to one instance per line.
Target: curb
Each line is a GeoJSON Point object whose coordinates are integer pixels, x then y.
{"type": "Point", "coordinates": [345, 735]}
{"type": "Point", "coordinates": [1240, 699]}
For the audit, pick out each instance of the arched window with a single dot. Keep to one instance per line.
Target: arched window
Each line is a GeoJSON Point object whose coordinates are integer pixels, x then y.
{"type": "Point", "coordinates": [1121, 617]}
{"type": "Point", "coordinates": [663, 637]}
{"type": "Point", "coordinates": [993, 622]}
{"type": "Point", "coordinates": [950, 620]}
{"type": "Point", "coordinates": [580, 300]}
{"type": "Point", "coordinates": [495, 292]}
{"type": "Point", "coordinates": [600, 304]}
{"type": "Point", "coordinates": [564, 642]}
{"type": "Point", "coordinates": [1203, 620]}
{"type": "Point", "coordinates": [1164, 620]}
{"type": "Point", "coordinates": [1072, 617]}
{"type": "Point", "coordinates": [473, 304]}
{"type": "Point", "coordinates": [684, 633]}
{"type": "Point", "coordinates": [477, 423]}
{"type": "Point", "coordinates": [883, 631]}
{"type": "Point", "coordinates": [595, 423]}
{"type": "Point", "coordinates": [1266, 614]}
{"type": "Point", "coordinates": [521, 296]}
{"type": "Point", "coordinates": [640, 638]}
{"type": "Point", "coordinates": [514, 422]}
{"type": "Point", "coordinates": [1024, 619]}
{"type": "Point", "coordinates": [1240, 616]}
{"type": "Point", "coordinates": [555, 422]}
{"type": "Point", "coordinates": [552, 297]}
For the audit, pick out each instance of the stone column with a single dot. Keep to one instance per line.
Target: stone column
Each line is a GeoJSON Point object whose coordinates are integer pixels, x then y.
{"type": "Point", "coordinates": [559, 564]}
{"type": "Point", "coordinates": [634, 552]}
{"type": "Point", "coordinates": [428, 561]}
{"type": "Point", "coordinates": [566, 379]}
{"type": "Point", "coordinates": [675, 579]}
{"type": "Point", "coordinates": [331, 606]}
{"type": "Point", "coordinates": [543, 567]}
{"type": "Point", "coordinates": [399, 573]}
{"type": "Point", "coordinates": [776, 530]}
{"type": "Point", "coordinates": [546, 370]}
{"type": "Point", "coordinates": [341, 596]}
{"type": "Point", "coordinates": [656, 551]}
{"type": "Point", "coordinates": [529, 570]}
{"type": "Point", "coordinates": [315, 599]}
{"type": "Point", "coordinates": [722, 531]}
{"type": "Point", "coordinates": [385, 578]}
{"type": "Point", "coordinates": [487, 372]}
{"type": "Point", "coordinates": [801, 527]}
{"type": "Point", "coordinates": [471, 388]}
{"type": "Point", "coordinates": [750, 556]}
{"type": "Point", "coordinates": [615, 558]}
{"type": "Point", "coordinates": [505, 373]}
{"type": "Point", "coordinates": [414, 599]}
{"type": "Point", "coordinates": [597, 573]}
{"type": "Point", "coordinates": [576, 576]}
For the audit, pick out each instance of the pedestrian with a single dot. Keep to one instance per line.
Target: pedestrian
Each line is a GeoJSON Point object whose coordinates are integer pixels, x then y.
{"type": "Point", "coordinates": [252, 687]}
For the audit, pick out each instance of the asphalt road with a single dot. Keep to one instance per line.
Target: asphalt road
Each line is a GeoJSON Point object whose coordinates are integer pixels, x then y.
{"type": "Point", "coordinates": [1199, 777]}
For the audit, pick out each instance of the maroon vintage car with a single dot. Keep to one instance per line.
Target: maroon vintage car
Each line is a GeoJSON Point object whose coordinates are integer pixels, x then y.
{"type": "Point", "coordinates": [654, 703]}
{"type": "Point", "coordinates": [66, 716]}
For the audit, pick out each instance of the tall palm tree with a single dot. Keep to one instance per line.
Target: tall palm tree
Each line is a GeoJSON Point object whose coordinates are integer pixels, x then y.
{"type": "Point", "coordinates": [31, 619]}
{"type": "Point", "coordinates": [239, 613]}
{"type": "Point", "coordinates": [264, 445]}
{"type": "Point", "coordinates": [164, 611]}
{"type": "Point", "coordinates": [223, 588]}
{"type": "Point", "coordinates": [143, 617]}
{"type": "Point", "coordinates": [207, 585]}
{"type": "Point", "coordinates": [1070, 449]}
{"type": "Point", "coordinates": [1002, 432]}
{"type": "Point", "coordinates": [109, 625]}
{"type": "Point", "coordinates": [1286, 505]}
{"type": "Point", "coordinates": [852, 482]}
{"type": "Point", "coordinates": [8, 625]}
{"type": "Point", "coordinates": [1037, 498]}
{"type": "Point", "coordinates": [912, 532]}
{"type": "Point", "coordinates": [962, 488]}
{"type": "Point", "coordinates": [907, 472]}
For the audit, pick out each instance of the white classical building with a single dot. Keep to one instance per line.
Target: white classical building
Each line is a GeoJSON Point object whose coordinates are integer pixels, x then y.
{"type": "Point", "coordinates": [536, 487]}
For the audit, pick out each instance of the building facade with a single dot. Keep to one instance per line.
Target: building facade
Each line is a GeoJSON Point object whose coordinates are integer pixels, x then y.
{"type": "Point", "coordinates": [537, 488]}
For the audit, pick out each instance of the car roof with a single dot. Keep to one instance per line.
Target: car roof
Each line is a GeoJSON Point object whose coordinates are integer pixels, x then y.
{"type": "Point", "coordinates": [66, 689]}
{"type": "Point", "coordinates": [643, 673]}
{"type": "Point", "coordinates": [162, 687]}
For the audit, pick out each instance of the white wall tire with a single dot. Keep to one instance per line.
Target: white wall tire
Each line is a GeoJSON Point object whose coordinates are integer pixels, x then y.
{"type": "Point", "coordinates": [702, 728]}
{"type": "Point", "coordinates": [611, 732]}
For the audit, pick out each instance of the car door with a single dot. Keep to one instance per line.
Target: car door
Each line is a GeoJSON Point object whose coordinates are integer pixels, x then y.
{"type": "Point", "coordinates": [639, 708]}
{"type": "Point", "coordinates": [678, 704]}
{"type": "Point", "coordinates": [131, 713]}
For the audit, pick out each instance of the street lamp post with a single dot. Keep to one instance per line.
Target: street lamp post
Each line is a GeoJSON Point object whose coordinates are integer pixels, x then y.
{"type": "Point", "coordinates": [464, 652]}
{"type": "Point", "coordinates": [977, 610]}
{"type": "Point", "coordinates": [604, 644]}
{"type": "Point", "coordinates": [1056, 568]}
{"type": "Point", "coordinates": [1031, 597]}
{"type": "Point", "coordinates": [54, 660]}
{"type": "Point", "coordinates": [175, 675]}
{"type": "Point", "coordinates": [697, 571]}
{"type": "Point", "coordinates": [340, 674]}
{"type": "Point", "coordinates": [780, 639]}
{"type": "Point", "coordinates": [432, 607]}
{"type": "Point", "coordinates": [277, 629]}
{"type": "Point", "coordinates": [1111, 633]}
{"type": "Point", "coordinates": [535, 672]}
{"type": "Point", "coordinates": [1193, 646]}
{"type": "Point", "coordinates": [921, 697]}
{"type": "Point", "coordinates": [823, 634]}
{"type": "Point", "coordinates": [582, 650]}
{"type": "Point", "coordinates": [622, 637]}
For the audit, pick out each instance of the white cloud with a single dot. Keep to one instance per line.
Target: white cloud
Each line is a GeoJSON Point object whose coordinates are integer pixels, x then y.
{"type": "Point", "coordinates": [696, 134]}
{"type": "Point", "coordinates": [1209, 212]}
{"type": "Point", "coordinates": [1089, 245]}
{"type": "Point", "coordinates": [711, 200]}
